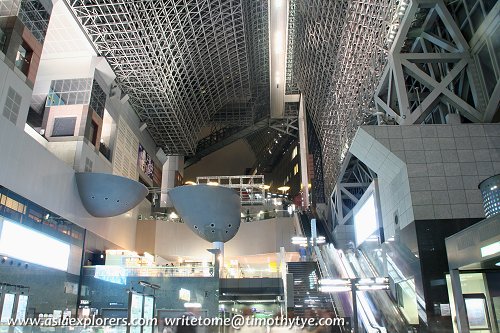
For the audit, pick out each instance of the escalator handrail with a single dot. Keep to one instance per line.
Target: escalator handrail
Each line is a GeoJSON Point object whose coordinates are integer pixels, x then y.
{"type": "Point", "coordinates": [322, 268]}
{"type": "Point", "coordinates": [361, 299]}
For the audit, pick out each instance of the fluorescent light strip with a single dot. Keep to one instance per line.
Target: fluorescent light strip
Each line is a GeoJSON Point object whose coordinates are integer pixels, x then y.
{"type": "Point", "coordinates": [22, 243]}
{"type": "Point", "coordinates": [490, 250]}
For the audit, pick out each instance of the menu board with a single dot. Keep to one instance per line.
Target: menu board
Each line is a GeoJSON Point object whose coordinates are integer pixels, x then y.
{"type": "Point", "coordinates": [149, 305]}
{"type": "Point", "coordinates": [476, 313]}
{"type": "Point", "coordinates": [22, 305]}
{"type": "Point", "coordinates": [135, 311]}
{"type": "Point", "coordinates": [7, 307]}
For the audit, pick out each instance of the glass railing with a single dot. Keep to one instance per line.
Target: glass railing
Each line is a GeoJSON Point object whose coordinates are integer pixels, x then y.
{"type": "Point", "coordinates": [110, 272]}
{"type": "Point", "coordinates": [252, 273]}
{"type": "Point", "coordinates": [116, 273]}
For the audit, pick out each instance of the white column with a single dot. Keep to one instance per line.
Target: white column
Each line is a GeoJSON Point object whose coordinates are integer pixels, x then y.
{"type": "Point", "coordinates": [170, 167]}
{"type": "Point", "coordinates": [220, 257]}
{"type": "Point", "coordinates": [314, 232]}
{"type": "Point", "coordinates": [303, 152]}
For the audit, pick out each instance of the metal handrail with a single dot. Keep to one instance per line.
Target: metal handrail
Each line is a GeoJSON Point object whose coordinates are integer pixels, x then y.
{"type": "Point", "coordinates": [323, 268]}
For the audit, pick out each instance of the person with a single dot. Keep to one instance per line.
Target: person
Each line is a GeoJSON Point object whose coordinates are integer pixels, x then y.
{"type": "Point", "coordinates": [303, 254]}
{"type": "Point", "coordinates": [185, 326]}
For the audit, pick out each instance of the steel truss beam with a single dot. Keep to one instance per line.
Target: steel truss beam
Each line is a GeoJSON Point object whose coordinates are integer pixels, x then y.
{"type": "Point", "coordinates": [355, 177]}
{"type": "Point", "coordinates": [430, 69]}
{"type": "Point", "coordinates": [340, 50]}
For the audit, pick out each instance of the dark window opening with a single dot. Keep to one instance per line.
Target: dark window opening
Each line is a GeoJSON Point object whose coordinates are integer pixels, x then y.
{"type": "Point", "coordinates": [93, 132]}
{"type": "Point", "coordinates": [23, 58]}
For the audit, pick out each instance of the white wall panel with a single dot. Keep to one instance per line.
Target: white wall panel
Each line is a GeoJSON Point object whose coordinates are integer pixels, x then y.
{"type": "Point", "coordinates": [176, 239]}
{"type": "Point", "coordinates": [28, 169]}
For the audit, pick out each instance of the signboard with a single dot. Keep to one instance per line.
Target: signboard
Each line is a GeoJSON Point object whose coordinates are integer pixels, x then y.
{"type": "Point", "coordinates": [7, 307]}
{"type": "Point", "coordinates": [22, 305]}
{"type": "Point", "coordinates": [149, 305]}
{"type": "Point", "coordinates": [445, 310]}
{"type": "Point", "coordinates": [476, 313]}
{"type": "Point", "coordinates": [365, 219]}
{"type": "Point", "coordinates": [135, 311]}
{"type": "Point", "coordinates": [184, 295]}
{"type": "Point", "coordinates": [145, 162]}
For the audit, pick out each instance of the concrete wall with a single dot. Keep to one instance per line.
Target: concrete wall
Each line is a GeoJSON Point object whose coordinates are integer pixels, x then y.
{"type": "Point", "coordinates": [429, 171]}
{"type": "Point", "coordinates": [50, 289]}
{"type": "Point", "coordinates": [30, 170]}
{"type": "Point", "coordinates": [176, 239]}
{"type": "Point", "coordinates": [8, 78]}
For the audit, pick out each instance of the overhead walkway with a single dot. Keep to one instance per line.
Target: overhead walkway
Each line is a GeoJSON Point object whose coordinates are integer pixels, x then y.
{"type": "Point", "coordinates": [222, 138]}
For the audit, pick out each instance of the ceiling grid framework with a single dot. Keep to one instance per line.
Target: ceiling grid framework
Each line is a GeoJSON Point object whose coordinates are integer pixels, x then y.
{"type": "Point", "coordinates": [340, 52]}
{"type": "Point", "coordinates": [183, 63]}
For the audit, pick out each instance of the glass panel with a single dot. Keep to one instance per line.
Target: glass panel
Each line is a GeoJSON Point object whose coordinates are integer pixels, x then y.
{"type": "Point", "coordinates": [495, 42]}
{"type": "Point", "coordinates": [488, 5]}
{"type": "Point", "coordinates": [476, 17]}
{"type": "Point", "coordinates": [487, 69]}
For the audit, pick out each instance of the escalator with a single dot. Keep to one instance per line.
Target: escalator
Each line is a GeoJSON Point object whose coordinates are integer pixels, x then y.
{"type": "Point", "coordinates": [377, 304]}
{"type": "Point", "coordinates": [377, 311]}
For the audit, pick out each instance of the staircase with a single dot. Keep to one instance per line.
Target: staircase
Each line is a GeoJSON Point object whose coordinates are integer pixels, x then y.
{"type": "Point", "coordinates": [305, 288]}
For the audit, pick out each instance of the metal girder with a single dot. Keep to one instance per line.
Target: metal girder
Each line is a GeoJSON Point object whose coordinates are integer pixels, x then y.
{"type": "Point", "coordinates": [432, 68]}
{"type": "Point", "coordinates": [288, 126]}
{"type": "Point", "coordinates": [354, 179]}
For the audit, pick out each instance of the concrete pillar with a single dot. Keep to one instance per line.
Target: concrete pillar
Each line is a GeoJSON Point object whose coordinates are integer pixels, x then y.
{"type": "Point", "coordinates": [303, 153]}
{"type": "Point", "coordinates": [172, 165]}
{"type": "Point", "coordinates": [220, 257]}
{"type": "Point", "coordinates": [461, 314]}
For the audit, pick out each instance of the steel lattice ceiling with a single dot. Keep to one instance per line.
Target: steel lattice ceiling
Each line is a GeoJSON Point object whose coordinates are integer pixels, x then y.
{"type": "Point", "coordinates": [189, 63]}
{"type": "Point", "coordinates": [339, 54]}
{"type": "Point", "coordinates": [184, 64]}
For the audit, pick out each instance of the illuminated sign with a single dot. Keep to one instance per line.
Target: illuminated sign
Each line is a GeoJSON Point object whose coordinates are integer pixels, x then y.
{"type": "Point", "coordinates": [491, 249]}
{"type": "Point", "coordinates": [184, 295]}
{"type": "Point", "coordinates": [22, 305]}
{"type": "Point", "coordinates": [365, 220]}
{"type": "Point", "coordinates": [25, 244]}
{"type": "Point", "coordinates": [8, 306]}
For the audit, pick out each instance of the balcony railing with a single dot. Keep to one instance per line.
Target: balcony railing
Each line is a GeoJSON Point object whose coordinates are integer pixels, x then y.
{"type": "Point", "coordinates": [119, 273]}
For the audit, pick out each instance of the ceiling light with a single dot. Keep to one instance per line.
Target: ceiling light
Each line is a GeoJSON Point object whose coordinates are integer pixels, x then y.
{"type": "Point", "coordinates": [497, 264]}
{"type": "Point", "coordinates": [192, 305]}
